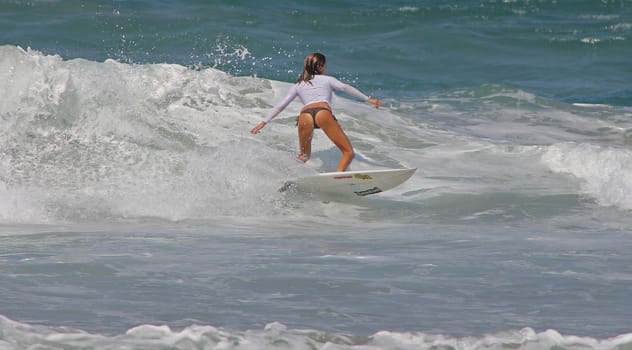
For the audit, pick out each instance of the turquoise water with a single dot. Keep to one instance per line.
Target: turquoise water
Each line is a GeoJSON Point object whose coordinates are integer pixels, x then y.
{"type": "Point", "coordinates": [137, 211]}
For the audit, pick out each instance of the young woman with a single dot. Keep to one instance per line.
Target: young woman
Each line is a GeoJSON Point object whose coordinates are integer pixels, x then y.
{"type": "Point", "coordinates": [314, 88]}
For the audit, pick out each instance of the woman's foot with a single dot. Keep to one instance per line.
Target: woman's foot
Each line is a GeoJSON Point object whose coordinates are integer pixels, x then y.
{"type": "Point", "coordinates": [302, 158]}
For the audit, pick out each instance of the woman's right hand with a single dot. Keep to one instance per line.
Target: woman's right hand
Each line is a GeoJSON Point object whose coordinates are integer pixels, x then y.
{"type": "Point", "coordinates": [258, 128]}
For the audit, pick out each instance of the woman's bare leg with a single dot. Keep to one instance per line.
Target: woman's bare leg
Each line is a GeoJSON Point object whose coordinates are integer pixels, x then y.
{"type": "Point", "coordinates": [305, 134]}
{"type": "Point", "coordinates": [335, 133]}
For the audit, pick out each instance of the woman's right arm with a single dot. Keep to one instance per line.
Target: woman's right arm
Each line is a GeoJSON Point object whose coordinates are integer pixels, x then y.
{"type": "Point", "coordinates": [291, 94]}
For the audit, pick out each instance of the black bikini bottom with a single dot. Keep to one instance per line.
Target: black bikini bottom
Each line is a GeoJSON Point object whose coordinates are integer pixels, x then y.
{"type": "Point", "coordinates": [313, 112]}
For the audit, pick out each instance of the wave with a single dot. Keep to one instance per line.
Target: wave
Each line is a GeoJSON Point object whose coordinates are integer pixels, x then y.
{"type": "Point", "coordinates": [15, 335]}
{"type": "Point", "coordinates": [604, 171]}
{"type": "Point", "coordinates": [82, 140]}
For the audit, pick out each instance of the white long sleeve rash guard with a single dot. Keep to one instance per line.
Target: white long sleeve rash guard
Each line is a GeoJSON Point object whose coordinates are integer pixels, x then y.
{"type": "Point", "coordinates": [319, 89]}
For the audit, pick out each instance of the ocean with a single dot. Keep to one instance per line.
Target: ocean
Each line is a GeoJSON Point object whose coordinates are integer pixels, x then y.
{"type": "Point", "coordinates": [138, 212]}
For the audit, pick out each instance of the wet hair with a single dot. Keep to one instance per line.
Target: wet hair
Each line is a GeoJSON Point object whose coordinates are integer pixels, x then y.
{"type": "Point", "coordinates": [314, 63]}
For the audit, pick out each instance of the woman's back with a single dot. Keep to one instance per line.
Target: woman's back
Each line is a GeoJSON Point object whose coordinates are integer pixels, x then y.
{"type": "Point", "coordinates": [320, 87]}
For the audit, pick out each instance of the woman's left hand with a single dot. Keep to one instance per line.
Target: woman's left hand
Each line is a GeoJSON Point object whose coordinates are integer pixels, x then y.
{"type": "Point", "coordinates": [374, 101]}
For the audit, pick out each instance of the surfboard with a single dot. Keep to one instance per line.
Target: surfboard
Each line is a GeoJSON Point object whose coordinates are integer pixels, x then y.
{"type": "Point", "coordinates": [359, 183]}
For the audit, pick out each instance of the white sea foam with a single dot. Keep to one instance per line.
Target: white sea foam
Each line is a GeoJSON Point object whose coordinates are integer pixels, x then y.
{"type": "Point", "coordinates": [277, 336]}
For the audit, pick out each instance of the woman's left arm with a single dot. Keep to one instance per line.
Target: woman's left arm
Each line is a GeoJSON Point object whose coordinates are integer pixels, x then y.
{"type": "Point", "coordinates": [374, 101]}
{"type": "Point", "coordinates": [338, 85]}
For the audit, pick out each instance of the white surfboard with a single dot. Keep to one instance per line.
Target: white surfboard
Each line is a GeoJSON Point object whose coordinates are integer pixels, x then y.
{"type": "Point", "coordinates": [360, 183]}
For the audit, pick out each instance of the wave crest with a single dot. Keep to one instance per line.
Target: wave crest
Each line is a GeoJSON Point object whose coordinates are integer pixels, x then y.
{"type": "Point", "coordinates": [15, 335]}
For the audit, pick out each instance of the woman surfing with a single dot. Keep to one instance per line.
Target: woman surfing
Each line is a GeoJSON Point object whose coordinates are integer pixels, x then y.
{"type": "Point", "coordinates": [314, 88]}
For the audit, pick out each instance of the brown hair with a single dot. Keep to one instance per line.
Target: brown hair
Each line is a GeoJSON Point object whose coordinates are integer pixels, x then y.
{"type": "Point", "coordinates": [314, 63]}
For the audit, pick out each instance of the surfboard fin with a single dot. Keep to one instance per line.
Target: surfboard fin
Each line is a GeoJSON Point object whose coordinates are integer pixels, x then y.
{"type": "Point", "coordinates": [288, 186]}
